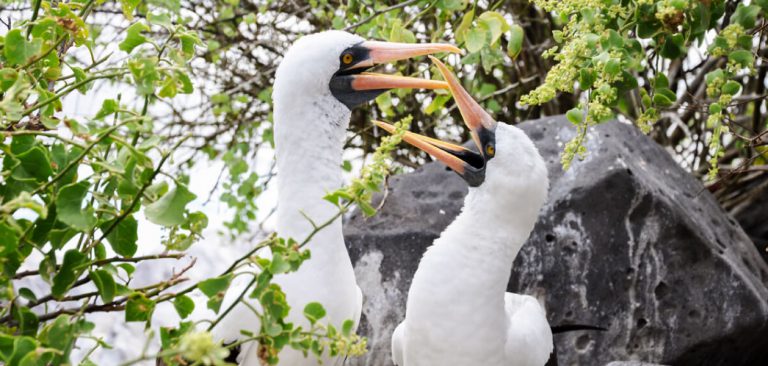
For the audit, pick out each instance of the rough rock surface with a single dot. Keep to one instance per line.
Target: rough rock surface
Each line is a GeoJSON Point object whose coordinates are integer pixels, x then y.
{"type": "Point", "coordinates": [627, 241]}
{"type": "Point", "coordinates": [753, 216]}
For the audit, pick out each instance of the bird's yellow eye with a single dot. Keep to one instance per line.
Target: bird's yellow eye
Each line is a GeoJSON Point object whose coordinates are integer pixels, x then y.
{"type": "Point", "coordinates": [346, 59]}
{"type": "Point", "coordinates": [490, 150]}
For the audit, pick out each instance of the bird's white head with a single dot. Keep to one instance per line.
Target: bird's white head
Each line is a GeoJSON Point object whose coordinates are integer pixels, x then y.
{"type": "Point", "coordinates": [506, 160]}
{"type": "Point", "coordinates": [334, 63]}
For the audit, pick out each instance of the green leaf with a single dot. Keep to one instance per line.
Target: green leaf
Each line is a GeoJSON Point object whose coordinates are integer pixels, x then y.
{"type": "Point", "coordinates": [451, 5]}
{"type": "Point", "coordinates": [661, 100]}
{"type": "Point", "coordinates": [731, 87]}
{"type": "Point", "coordinates": [648, 28]}
{"type": "Point", "coordinates": [495, 23]}
{"type": "Point", "coordinates": [279, 264]}
{"type": "Point", "coordinates": [168, 89]}
{"type": "Point", "coordinates": [8, 77]}
{"type": "Point", "coordinates": [133, 37]}
{"type": "Point", "coordinates": [188, 42]}
{"type": "Point", "coordinates": [674, 46]}
{"type": "Point", "coordinates": [33, 163]}
{"type": "Point", "coordinates": [713, 76]}
{"type": "Point", "coordinates": [746, 15]}
{"type": "Point", "coordinates": [68, 273]}
{"type": "Point", "coordinates": [22, 346]}
{"type": "Point", "coordinates": [145, 75]}
{"type": "Point", "coordinates": [27, 321]}
{"type": "Point", "coordinates": [612, 40]}
{"type": "Point", "coordinates": [19, 51]}
{"type": "Point", "coordinates": [108, 108]}
{"type": "Point", "coordinates": [27, 294]}
{"type": "Point", "coordinates": [715, 108]}
{"type": "Point", "coordinates": [516, 38]}
{"type": "Point", "coordinates": [169, 209]}
{"type": "Point", "coordinates": [213, 286]}
{"type": "Point", "coordinates": [400, 34]}
{"type": "Point", "coordinates": [347, 327]}
{"type": "Point", "coordinates": [69, 206]}
{"type": "Point", "coordinates": [613, 67]}
{"type": "Point", "coordinates": [660, 81]}
{"type": "Point", "coordinates": [475, 39]}
{"type": "Point", "coordinates": [105, 284]}
{"type": "Point", "coordinates": [128, 7]}
{"type": "Point", "coordinates": [160, 19]}
{"type": "Point", "coordinates": [466, 22]}
{"type": "Point", "coordinates": [741, 57]}
{"type": "Point", "coordinates": [314, 311]}
{"type": "Point", "coordinates": [215, 289]}
{"type": "Point", "coordinates": [587, 77]}
{"type": "Point", "coordinates": [123, 236]}
{"type": "Point", "coordinates": [575, 115]}
{"type": "Point", "coordinates": [762, 3]}
{"type": "Point", "coordinates": [139, 308]}
{"type": "Point", "coordinates": [491, 57]}
{"type": "Point", "coordinates": [184, 306]}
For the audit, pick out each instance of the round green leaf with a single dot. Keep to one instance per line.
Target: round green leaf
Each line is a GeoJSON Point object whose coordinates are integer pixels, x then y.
{"type": "Point", "coordinates": [475, 39]}
{"type": "Point", "coordinates": [575, 115]}
{"type": "Point", "coordinates": [731, 87]}
{"type": "Point", "coordinates": [741, 57]}
{"type": "Point", "coordinates": [169, 209]}
{"type": "Point", "coordinates": [517, 34]}
{"type": "Point", "coordinates": [314, 311]}
{"type": "Point", "coordinates": [184, 306]}
{"type": "Point", "coordinates": [105, 284]}
{"type": "Point", "coordinates": [69, 206]}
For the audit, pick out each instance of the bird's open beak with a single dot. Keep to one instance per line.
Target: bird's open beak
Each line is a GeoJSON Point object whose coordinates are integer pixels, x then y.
{"type": "Point", "coordinates": [353, 86]}
{"type": "Point", "coordinates": [469, 164]}
{"type": "Point", "coordinates": [481, 125]}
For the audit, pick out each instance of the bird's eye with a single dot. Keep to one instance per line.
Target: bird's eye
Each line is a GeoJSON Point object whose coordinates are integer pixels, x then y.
{"type": "Point", "coordinates": [490, 150]}
{"type": "Point", "coordinates": [347, 58]}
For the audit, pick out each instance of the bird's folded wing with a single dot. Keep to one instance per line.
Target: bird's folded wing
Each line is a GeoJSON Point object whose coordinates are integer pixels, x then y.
{"type": "Point", "coordinates": [529, 338]}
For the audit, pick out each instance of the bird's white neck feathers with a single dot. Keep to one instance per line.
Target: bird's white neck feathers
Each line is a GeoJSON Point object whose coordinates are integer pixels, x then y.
{"type": "Point", "coordinates": [496, 220]}
{"type": "Point", "coordinates": [310, 125]}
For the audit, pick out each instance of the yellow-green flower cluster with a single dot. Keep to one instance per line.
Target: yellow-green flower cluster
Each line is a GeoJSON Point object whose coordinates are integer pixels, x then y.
{"type": "Point", "coordinates": [568, 6]}
{"type": "Point", "coordinates": [561, 77]}
{"type": "Point", "coordinates": [714, 121]}
{"type": "Point", "coordinates": [351, 346]}
{"type": "Point", "coordinates": [199, 347]}
{"type": "Point", "coordinates": [731, 33]}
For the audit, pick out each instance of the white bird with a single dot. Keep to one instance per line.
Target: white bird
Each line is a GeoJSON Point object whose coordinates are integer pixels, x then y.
{"type": "Point", "coordinates": [320, 79]}
{"type": "Point", "coordinates": [458, 311]}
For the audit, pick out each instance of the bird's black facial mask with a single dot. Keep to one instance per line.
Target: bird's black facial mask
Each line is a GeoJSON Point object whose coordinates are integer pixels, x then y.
{"type": "Point", "coordinates": [341, 84]}
{"type": "Point", "coordinates": [352, 85]}
{"type": "Point", "coordinates": [467, 163]}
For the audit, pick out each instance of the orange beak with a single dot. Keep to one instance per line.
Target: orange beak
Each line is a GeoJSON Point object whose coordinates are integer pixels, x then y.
{"type": "Point", "coordinates": [352, 86]}
{"type": "Point", "coordinates": [469, 164]}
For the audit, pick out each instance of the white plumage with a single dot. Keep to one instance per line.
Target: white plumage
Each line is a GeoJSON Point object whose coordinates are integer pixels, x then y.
{"type": "Point", "coordinates": [458, 311]}
{"type": "Point", "coordinates": [309, 135]}
{"type": "Point", "coordinates": [320, 78]}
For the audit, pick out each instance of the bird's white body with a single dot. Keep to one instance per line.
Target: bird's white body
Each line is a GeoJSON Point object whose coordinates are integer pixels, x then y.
{"type": "Point", "coordinates": [458, 311]}
{"type": "Point", "coordinates": [310, 125]}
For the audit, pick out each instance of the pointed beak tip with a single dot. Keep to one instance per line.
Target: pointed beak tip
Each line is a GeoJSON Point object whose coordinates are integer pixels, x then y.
{"type": "Point", "coordinates": [384, 125]}
{"type": "Point", "coordinates": [453, 49]}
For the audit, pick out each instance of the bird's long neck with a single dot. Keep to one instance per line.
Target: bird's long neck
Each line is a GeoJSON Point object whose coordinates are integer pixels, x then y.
{"type": "Point", "coordinates": [474, 255]}
{"type": "Point", "coordinates": [489, 233]}
{"type": "Point", "coordinates": [309, 138]}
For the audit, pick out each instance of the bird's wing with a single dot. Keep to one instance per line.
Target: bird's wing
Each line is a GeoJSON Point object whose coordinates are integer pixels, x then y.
{"type": "Point", "coordinates": [529, 338]}
{"type": "Point", "coordinates": [397, 344]}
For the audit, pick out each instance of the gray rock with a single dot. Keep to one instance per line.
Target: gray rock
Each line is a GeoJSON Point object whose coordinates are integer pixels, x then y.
{"type": "Point", "coordinates": [627, 241]}
{"type": "Point", "coordinates": [753, 215]}
{"type": "Point", "coordinates": [631, 363]}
